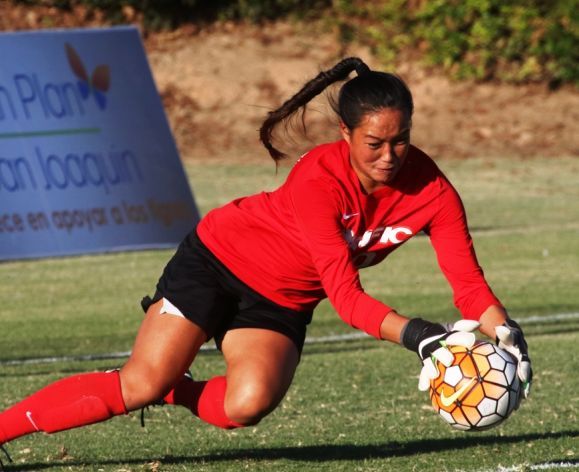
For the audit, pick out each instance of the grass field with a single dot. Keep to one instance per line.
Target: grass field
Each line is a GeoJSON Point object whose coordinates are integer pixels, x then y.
{"type": "Point", "coordinates": [354, 405]}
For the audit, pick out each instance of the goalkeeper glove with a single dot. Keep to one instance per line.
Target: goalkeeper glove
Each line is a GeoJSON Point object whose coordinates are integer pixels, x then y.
{"type": "Point", "coordinates": [510, 338]}
{"type": "Point", "coordinates": [429, 341]}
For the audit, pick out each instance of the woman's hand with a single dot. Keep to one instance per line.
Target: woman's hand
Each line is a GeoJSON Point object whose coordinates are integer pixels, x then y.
{"type": "Point", "coordinates": [510, 338]}
{"type": "Point", "coordinates": [508, 335]}
{"type": "Point", "coordinates": [430, 341]}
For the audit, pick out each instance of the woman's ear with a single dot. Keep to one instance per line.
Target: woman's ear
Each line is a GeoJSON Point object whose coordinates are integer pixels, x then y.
{"type": "Point", "coordinates": [345, 132]}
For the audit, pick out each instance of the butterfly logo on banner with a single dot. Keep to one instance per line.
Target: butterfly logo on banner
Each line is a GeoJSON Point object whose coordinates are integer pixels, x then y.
{"type": "Point", "coordinates": [96, 84]}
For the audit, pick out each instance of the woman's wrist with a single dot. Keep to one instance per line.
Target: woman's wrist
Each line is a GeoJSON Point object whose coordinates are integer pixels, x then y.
{"type": "Point", "coordinates": [494, 315]}
{"type": "Point", "coordinates": [392, 327]}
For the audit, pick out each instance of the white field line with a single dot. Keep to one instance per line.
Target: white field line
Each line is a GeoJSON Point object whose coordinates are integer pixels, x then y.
{"type": "Point", "coordinates": [541, 466]}
{"type": "Point", "coordinates": [571, 225]}
{"type": "Point", "coordinates": [541, 319]}
{"type": "Point", "coordinates": [310, 340]}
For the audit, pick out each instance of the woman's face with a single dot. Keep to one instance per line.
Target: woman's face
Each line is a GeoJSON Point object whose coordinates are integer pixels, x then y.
{"type": "Point", "coordinates": [378, 146]}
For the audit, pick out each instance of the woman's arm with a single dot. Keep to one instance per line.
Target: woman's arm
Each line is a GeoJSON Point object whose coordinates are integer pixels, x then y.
{"type": "Point", "coordinates": [394, 323]}
{"type": "Point", "coordinates": [457, 259]}
{"type": "Point", "coordinates": [316, 205]}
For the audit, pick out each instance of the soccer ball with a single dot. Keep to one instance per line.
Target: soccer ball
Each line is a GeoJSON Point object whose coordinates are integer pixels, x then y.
{"type": "Point", "coordinates": [479, 390]}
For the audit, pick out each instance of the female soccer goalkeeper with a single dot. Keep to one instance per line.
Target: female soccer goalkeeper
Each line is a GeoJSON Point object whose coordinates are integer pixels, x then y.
{"type": "Point", "coordinates": [253, 271]}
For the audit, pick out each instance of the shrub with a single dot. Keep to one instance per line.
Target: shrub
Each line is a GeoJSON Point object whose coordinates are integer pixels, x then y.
{"type": "Point", "coordinates": [161, 14]}
{"type": "Point", "coordinates": [516, 41]}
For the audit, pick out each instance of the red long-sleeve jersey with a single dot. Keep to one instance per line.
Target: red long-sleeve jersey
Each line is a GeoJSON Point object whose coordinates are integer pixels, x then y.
{"type": "Point", "coordinates": [306, 240]}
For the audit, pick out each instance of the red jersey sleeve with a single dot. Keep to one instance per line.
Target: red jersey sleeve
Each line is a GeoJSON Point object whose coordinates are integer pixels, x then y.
{"type": "Point", "coordinates": [316, 205]}
{"type": "Point", "coordinates": [456, 256]}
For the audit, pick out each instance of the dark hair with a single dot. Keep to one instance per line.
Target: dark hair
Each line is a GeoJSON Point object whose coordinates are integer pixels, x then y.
{"type": "Point", "coordinates": [369, 92]}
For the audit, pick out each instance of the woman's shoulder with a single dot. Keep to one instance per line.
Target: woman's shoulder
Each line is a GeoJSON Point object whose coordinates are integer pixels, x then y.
{"type": "Point", "coordinates": [420, 173]}
{"type": "Point", "coordinates": [322, 170]}
{"type": "Point", "coordinates": [326, 152]}
{"type": "Point", "coordinates": [421, 157]}
{"type": "Point", "coordinates": [324, 160]}
{"type": "Point", "coordinates": [420, 160]}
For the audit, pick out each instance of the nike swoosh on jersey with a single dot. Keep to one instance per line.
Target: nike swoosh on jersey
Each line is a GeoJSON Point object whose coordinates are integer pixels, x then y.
{"type": "Point", "coordinates": [347, 216]}
{"type": "Point", "coordinates": [447, 401]}
{"type": "Point", "coordinates": [29, 416]}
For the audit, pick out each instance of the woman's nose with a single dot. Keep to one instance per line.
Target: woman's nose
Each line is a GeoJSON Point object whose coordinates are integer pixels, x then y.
{"type": "Point", "coordinates": [387, 154]}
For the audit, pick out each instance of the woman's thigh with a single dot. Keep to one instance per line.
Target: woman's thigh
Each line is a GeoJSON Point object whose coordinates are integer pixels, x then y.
{"type": "Point", "coordinates": [164, 348]}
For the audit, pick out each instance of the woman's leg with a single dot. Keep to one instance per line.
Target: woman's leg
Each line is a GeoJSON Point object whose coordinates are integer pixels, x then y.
{"type": "Point", "coordinates": [164, 349]}
{"type": "Point", "coordinates": [165, 346]}
{"type": "Point", "coordinates": [260, 368]}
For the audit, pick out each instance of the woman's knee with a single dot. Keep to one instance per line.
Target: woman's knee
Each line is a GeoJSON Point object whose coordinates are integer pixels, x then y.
{"type": "Point", "coordinates": [142, 385]}
{"type": "Point", "coordinates": [260, 368]}
{"type": "Point", "coordinates": [250, 403]}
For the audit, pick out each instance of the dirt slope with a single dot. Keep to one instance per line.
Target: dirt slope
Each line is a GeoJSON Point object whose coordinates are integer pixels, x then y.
{"type": "Point", "coordinates": [218, 86]}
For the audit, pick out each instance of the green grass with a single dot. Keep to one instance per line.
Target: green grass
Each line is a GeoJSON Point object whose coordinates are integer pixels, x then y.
{"type": "Point", "coordinates": [353, 405]}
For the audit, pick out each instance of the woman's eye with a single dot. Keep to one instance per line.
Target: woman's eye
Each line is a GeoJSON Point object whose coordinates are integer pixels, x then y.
{"type": "Point", "coordinates": [402, 142]}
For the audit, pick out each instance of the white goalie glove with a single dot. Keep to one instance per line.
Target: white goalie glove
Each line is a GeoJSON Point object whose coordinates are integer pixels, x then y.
{"type": "Point", "coordinates": [510, 338]}
{"type": "Point", "coordinates": [429, 341]}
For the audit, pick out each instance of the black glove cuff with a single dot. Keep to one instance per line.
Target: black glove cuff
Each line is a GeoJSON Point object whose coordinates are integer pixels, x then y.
{"type": "Point", "coordinates": [418, 329]}
{"type": "Point", "coordinates": [513, 324]}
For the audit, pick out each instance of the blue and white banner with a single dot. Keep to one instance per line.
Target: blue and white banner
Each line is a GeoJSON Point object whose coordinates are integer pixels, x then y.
{"type": "Point", "coordinates": [87, 159]}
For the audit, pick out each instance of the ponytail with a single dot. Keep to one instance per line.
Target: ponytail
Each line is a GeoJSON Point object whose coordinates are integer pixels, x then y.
{"type": "Point", "coordinates": [298, 102]}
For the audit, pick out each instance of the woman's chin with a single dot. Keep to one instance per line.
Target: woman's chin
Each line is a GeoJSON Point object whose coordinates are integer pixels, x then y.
{"type": "Point", "coordinates": [385, 177]}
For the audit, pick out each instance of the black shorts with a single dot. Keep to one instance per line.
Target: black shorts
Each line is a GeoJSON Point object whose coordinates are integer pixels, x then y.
{"type": "Point", "coordinates": [209, 295]}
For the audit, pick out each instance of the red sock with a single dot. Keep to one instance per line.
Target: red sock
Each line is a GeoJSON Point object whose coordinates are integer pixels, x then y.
{"type": "Point", "coordinates": [75, 401]}
{"type": "Point", "coordinates": [205, 400]}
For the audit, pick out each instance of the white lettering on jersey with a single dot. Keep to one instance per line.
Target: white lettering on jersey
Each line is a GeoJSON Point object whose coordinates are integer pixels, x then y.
{"type": "Point", "coordinates": [391, 235]}
{"type": "Point", "coordinates": [387, 235]}
{"type": "Point", "coordinates": [365, 239]}
{"type": "Point", "coordinates": [350, 238]}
